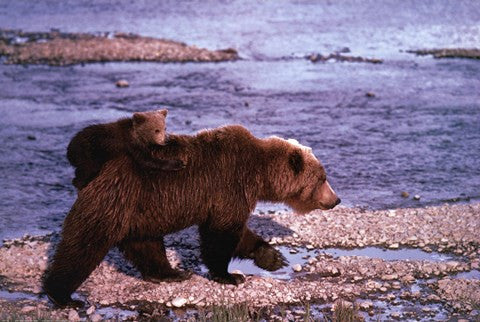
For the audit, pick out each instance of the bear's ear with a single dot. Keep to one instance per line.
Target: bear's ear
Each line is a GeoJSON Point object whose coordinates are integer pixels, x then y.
{"type": "Point", "coordinates": [295, 160]}
{"type": "Point", "coordinates": [164, 112]}
{"type": "Point", "coordinates": [139, 118]}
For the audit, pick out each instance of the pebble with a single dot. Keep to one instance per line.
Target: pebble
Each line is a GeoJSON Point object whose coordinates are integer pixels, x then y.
{"type": "Point", "coordinates": [96, 317]}
{"type": "Point", "coordinates": [405, 194]}
{"type": "Point", "coordinates": [297, 267]}
{"type": "Point", "coordinates": [395, 315]}
{"type": "Point", "coordinates": [28, 309]}
{"type": "Point", "coordinates": [179, 301]}
{"type": "Point", "coordinates": [73, 316]}
{"type": "Point", "coordinates": [394, 246]}
{"type": "Point", "coordinates": [416, 197]}
{"type": "Point", "coordinates": [90, 310]}
{"type": "Point", "coordinates": [122, 83]}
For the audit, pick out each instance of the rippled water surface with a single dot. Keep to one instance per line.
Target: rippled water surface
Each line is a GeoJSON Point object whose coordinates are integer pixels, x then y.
{"type": "Point", "coordinates": [420, 132]}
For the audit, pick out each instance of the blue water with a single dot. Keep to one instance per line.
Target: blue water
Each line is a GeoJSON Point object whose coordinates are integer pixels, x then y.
{"type": "Point", "coordinates": [420, 133]}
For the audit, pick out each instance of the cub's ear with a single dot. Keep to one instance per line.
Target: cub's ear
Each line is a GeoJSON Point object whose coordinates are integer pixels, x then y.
{"type": "Point", "coordinates": [295, 160]}
{"type": "Point", "coordinates": [138, 118]}
{"type": "Point", "coordinates": [164, 112]}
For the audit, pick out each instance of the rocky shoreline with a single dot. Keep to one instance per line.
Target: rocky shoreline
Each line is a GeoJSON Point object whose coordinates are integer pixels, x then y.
{"type": "Point", "coordinates": [471, 53]}
{"type": "Point", "coordinates": [55, 48]}
{"type": "Point", "coordinates": [432, 287]}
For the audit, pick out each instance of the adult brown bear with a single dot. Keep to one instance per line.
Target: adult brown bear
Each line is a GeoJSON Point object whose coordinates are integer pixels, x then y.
{"type": "Point", "coordinates": [228, 170]}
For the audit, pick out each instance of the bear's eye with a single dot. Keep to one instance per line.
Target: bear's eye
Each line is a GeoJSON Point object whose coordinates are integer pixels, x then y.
{"type": "Point", "coordinates": [157, 131]}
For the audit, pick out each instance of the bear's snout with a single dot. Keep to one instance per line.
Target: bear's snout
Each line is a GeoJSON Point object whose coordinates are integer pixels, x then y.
{"type": "Point", "coordinates": [327, 196]}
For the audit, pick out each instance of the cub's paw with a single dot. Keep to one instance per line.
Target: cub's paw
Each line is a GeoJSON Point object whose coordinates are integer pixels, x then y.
{"type": "Point", "coordinates": [268, 258]}
{"type": "Point", "coordinates": [172, 276]}
{"type": "Point", "coordinates": [234, 279]}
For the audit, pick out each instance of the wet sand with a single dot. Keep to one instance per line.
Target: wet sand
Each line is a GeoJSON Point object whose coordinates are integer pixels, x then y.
{"type": "Point", "coordinates": [61, 49]}
{"type": "Point", "coordinates": [407, 288]}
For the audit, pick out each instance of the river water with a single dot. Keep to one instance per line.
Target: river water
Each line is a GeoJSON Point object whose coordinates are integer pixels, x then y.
{"type": "Point", "coordinates": [420, 132]}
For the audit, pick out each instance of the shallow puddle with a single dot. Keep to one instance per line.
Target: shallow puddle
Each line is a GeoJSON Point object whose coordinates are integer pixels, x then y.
{"type": "Point", "coordinates": [116, 313]}
{"type": "Point", "coordinates": [16, 296]}
{"type": "Point", "coordinates": [473, 274]}
{"type": "Point", "coordinates": [294, 256]}
{"type": "Point", "coordinates": [391, 255]}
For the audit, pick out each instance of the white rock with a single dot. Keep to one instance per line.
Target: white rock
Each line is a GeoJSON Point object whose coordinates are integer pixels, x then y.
{"type": "Point", "coordinates": [28, 309]}
{"type": "Point", "coordinates": [179, 301]}
{"type": "Point", "coordinates": [122, 83]}
{"type": "Point", "coordinates": [310, 247]}
{"type": "Point", "coordinates": [394, 246]}
{"type": "Point", "coordinates": [73, 316]}
{"type": "Point", "coordinates": [297, 267]}
{"type": "Point", "coordinates": [96, 318]}
{"type": "Point", "coordinates": [416, 197]}
{"type": "Point", "coordinates": [90, 310]}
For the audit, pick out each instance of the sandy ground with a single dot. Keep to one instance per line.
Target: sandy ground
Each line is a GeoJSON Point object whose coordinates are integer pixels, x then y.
{"type": "Point", "coordinates": [58, 49]}
{"type": "Point", "coordinates": [322, 279]}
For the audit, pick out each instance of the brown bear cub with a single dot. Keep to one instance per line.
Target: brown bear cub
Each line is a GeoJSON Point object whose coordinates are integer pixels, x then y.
{"type": "Point", "coordinates": [93, 146]}
{"type": "Point", "coordinates": [227, 172]}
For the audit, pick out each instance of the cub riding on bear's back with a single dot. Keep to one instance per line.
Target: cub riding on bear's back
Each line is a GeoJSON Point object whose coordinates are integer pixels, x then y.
{"type": "Point", "coordinates": [96, 144]}
{"type": "Point", "coordinates": [227, 172]}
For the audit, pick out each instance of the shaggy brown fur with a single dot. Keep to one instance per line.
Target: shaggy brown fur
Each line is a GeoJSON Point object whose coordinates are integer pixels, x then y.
{"type": "Point", "coordinates": [228, 171]}
{"type": "Point", "coordinates": [93, 146]}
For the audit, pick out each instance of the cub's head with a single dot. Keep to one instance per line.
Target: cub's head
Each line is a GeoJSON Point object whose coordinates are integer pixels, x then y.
{"type": "Point", "coordinates": [299, 179]}
{"type": "Point", "coordinates": [149, 127]}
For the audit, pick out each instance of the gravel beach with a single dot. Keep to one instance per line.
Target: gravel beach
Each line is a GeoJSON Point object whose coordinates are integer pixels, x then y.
{"type": "Point", "coordinates": [435, 288]}
{"type": "Point", "coordinates": [59, 49]}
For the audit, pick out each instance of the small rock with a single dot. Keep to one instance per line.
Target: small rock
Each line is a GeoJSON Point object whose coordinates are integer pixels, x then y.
{"type": "Point", "coordinates": [122, 83]}
{"type": "Point", "coordinates": [31, 137]}
{"type": "Point", "coordinates": [293, 251]}
{"type": "Point", "coordinates": [297, 267]}
{"type": "Point", "coordinates": [416, 197]}
{"type": "Point", "coordinates": [310, 247]}
{"type": "Point", "coordinates": [295, 235]}
{"type": "Point", "coordinates": [370, 94]}
{"type": "Point", "coordinates": [395, 315]}
{"type": "Point", "coordinates": [96, 318]}
{"type": "Point", "coordinates": [28, 309]}
{"type": "Point", "coordinates": [383, 289]}
{"type": "Point", "coordinates": [405, 194]}
{"type": "Point", "coordinates": [179, 301]}
{"type": "Point", "coordinates": [73, 316]}
{"type": "Point", "coordinates": [394, 246]}
{"type": "Point", "coordinates": [365, 306]}
{"type": "Point", "coordinates": [90, 310]}
{"type": "Point", "coordinates": [314, 58]}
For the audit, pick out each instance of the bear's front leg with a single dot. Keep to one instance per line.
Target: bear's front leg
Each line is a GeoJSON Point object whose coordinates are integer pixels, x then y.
{"type": "Point", "coordinates": [263, 254]}
{"type": "Point", "coordinates": [217, 247]}
{"type": "Point", "coordinates": [150, 258]}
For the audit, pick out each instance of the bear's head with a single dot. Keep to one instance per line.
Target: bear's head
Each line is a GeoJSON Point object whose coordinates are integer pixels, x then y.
{"type": "Point", "coordinates": [298, 178]}
{"type": "Point", "coordinates": [149, 127]}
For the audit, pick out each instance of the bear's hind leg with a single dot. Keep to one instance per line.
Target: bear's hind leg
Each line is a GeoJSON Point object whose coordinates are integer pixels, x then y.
{"type": "Point", "coordinates": [77, 255]}
{"type": "Point", "coordinates": [263, 254]}
{"type": "Point", "coordinates": [217, 247]}
{"type": "Point", "coordinates": [150, 258]}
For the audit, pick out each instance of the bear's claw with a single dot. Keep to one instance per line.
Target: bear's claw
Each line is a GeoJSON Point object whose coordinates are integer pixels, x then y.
{"type": "Point", "coordinates": [173, 276]}
{"type": "Point", "coordinates": [234, 279]}
{"type": "Point", "coordinates": [68, 302]}
{"type": "Point", "coordinates": [269, 258]}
